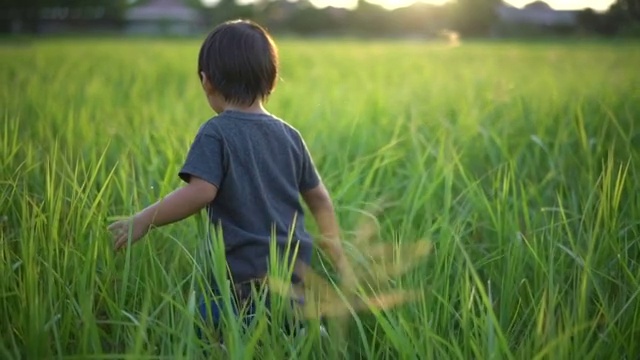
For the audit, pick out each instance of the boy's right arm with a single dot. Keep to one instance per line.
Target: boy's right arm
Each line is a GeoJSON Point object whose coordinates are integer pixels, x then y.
{"type": "Point", "coordinates": [319, 203]}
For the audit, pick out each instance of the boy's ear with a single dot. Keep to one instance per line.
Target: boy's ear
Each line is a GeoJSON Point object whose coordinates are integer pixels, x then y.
{"type": "Point", "coordinates": [203, 77]}
{"type": "Point", "coordinates": [206, 85]}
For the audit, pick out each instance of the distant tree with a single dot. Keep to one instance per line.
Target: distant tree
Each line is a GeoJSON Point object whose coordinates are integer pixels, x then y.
{"type": "Point", "coordinates": [418, 19]}
{"type": "Point", "coordinates": [622, 17]}
{"type": "Point", "coordinates": [308, 20]}
{"type": "Point", "coordinates": [28, 13]}
{"type": "Point", "coordinates": [228, 10]}
{"type": "Point", "coordinates": [630, 9]}
{"type": "Point", "coordinates": [600, 23]}
{"type": "Point", "coordinates": [23, 13]}
{"type": "Point", "coordinates": [588, 19]}
{"type": "Point", "coordinates": [369, 19]}
{"type": "Point", "coordinates": [474, 17]}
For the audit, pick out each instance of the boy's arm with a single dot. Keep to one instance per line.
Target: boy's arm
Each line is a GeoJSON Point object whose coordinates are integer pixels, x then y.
{"type": "Point", "coordinates": [321, 207]}
{"type": "Point", "coordinates": [176, 206]}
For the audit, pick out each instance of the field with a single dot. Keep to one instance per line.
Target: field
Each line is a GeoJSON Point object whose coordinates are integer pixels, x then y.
{"type": "Point", "coordinates": [520, 163]}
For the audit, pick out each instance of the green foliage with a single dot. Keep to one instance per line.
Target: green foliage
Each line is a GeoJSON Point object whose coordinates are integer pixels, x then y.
{"type": "Point", "coordinates": [518, 162]}
{"type": "Point", "coordinates": [474, 17]}
{"type": "Point", "coordinates": [631, 9]}
{"type": "Point", "coordinates": [621, 19]}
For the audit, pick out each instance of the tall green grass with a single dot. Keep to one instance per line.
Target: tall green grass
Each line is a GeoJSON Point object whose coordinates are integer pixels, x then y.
{"type": "Point", "coordinates": [518, 162]}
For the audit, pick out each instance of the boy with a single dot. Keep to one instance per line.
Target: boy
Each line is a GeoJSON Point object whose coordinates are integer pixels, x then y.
{"type": "Point", "coordinates": [245, 166]}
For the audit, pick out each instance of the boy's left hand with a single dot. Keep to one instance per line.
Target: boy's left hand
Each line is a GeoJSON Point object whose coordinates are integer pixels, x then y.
{"type": "Point", "coordinates": [137, 226]}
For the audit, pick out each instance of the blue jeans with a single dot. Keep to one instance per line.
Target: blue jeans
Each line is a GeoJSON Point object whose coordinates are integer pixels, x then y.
{"type": "Point", "coordinates": [211, 311]}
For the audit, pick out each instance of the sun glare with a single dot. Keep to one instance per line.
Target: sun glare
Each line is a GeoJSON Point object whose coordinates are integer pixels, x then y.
{"type": "Point", "coordinates": [388, 4]}
{"type": "Point", "coordinates": [569, 4]}
{"type": "Point", "coordinates": [393, 4]}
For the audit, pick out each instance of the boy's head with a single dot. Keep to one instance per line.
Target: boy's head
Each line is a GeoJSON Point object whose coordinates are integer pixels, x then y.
{"type": "Point", "coordinates": [239, 62]}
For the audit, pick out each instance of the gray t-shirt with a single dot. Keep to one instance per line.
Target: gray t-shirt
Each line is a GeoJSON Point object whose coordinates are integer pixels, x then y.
{"type": "Point", "coordinates": [259, 164]}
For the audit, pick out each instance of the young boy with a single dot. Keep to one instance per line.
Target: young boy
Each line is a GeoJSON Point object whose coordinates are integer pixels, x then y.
{"type": "Point", "coordinates": [247, 167]}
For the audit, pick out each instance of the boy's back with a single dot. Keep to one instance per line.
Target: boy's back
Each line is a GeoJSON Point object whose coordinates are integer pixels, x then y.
{"type": "Point", "coordinates": [260, 165]}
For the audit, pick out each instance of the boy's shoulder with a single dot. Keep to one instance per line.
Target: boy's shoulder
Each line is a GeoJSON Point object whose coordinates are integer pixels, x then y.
{"type": "Point", "coordinates": [228, 122]}
{"type": "Point", "coordinates": [210, 127]}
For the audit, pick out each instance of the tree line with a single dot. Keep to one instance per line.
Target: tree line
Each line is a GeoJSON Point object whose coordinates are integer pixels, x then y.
{"type": "Point", "coordinates": [469, 18]}
{"type": "Point", "coordinates": [622, 17]}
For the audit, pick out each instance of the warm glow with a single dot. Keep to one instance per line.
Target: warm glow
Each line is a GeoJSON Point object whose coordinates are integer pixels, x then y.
{"type": "Point", "coordinates": [392, 4]}
{"type": "Point", "coordinates": [388, 4]}
{"type": "Point", "coordinates": [569, 4]}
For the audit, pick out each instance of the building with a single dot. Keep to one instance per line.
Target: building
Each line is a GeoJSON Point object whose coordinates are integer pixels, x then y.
{"type": "Point", "coordinates": [163, 17]}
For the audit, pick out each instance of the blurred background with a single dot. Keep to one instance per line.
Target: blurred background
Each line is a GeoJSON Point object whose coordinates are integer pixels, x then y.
{"type": "Point", "coordinates": [429, 19]}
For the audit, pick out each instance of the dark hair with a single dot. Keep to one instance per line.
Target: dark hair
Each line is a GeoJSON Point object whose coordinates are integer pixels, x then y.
{"type": "Point", "coordinates": [240, 60]}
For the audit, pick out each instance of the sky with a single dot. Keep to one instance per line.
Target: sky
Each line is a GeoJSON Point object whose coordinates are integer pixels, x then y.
{"type": "Point", "coordinates": [391, 4]}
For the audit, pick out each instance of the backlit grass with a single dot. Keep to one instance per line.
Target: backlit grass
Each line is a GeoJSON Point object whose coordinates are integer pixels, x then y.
{"type": "Point", "coordinates": [518, 162]}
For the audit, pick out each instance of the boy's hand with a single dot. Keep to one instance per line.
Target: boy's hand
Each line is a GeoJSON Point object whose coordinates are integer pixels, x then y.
{"type": "Point", "coordinates": [348, 278]}
{"type": "Point", "coordinates": [178, 205]}
{"type": "Point", "coordinates": [136, 225]}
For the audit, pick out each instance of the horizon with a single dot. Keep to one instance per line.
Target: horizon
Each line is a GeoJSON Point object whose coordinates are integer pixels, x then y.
{"type": "Point", "coordinates": [598, 5]}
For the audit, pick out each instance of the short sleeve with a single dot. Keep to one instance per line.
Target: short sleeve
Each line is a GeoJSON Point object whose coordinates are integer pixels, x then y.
{"type": "Point", "coordinates": [205, 160]}
{"type": "Point", "coordinates": [309, 177]}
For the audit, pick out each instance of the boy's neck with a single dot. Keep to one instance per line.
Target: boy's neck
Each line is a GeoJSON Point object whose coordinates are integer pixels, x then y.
{"type": "Point", "coordinates": [256, 108]}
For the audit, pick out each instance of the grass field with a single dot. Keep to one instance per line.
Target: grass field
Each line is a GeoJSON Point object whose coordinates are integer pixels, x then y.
{"type": "Point", "coordinates": [520, 163]}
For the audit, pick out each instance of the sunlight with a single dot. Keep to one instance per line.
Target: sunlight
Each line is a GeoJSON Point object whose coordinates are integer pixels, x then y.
{"type": "Point", "coordinates": [569, 4]}
{"type": "Point", "coordinates": [387, 4]}
{"type": "Point", "coordinates": [394, 4]}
